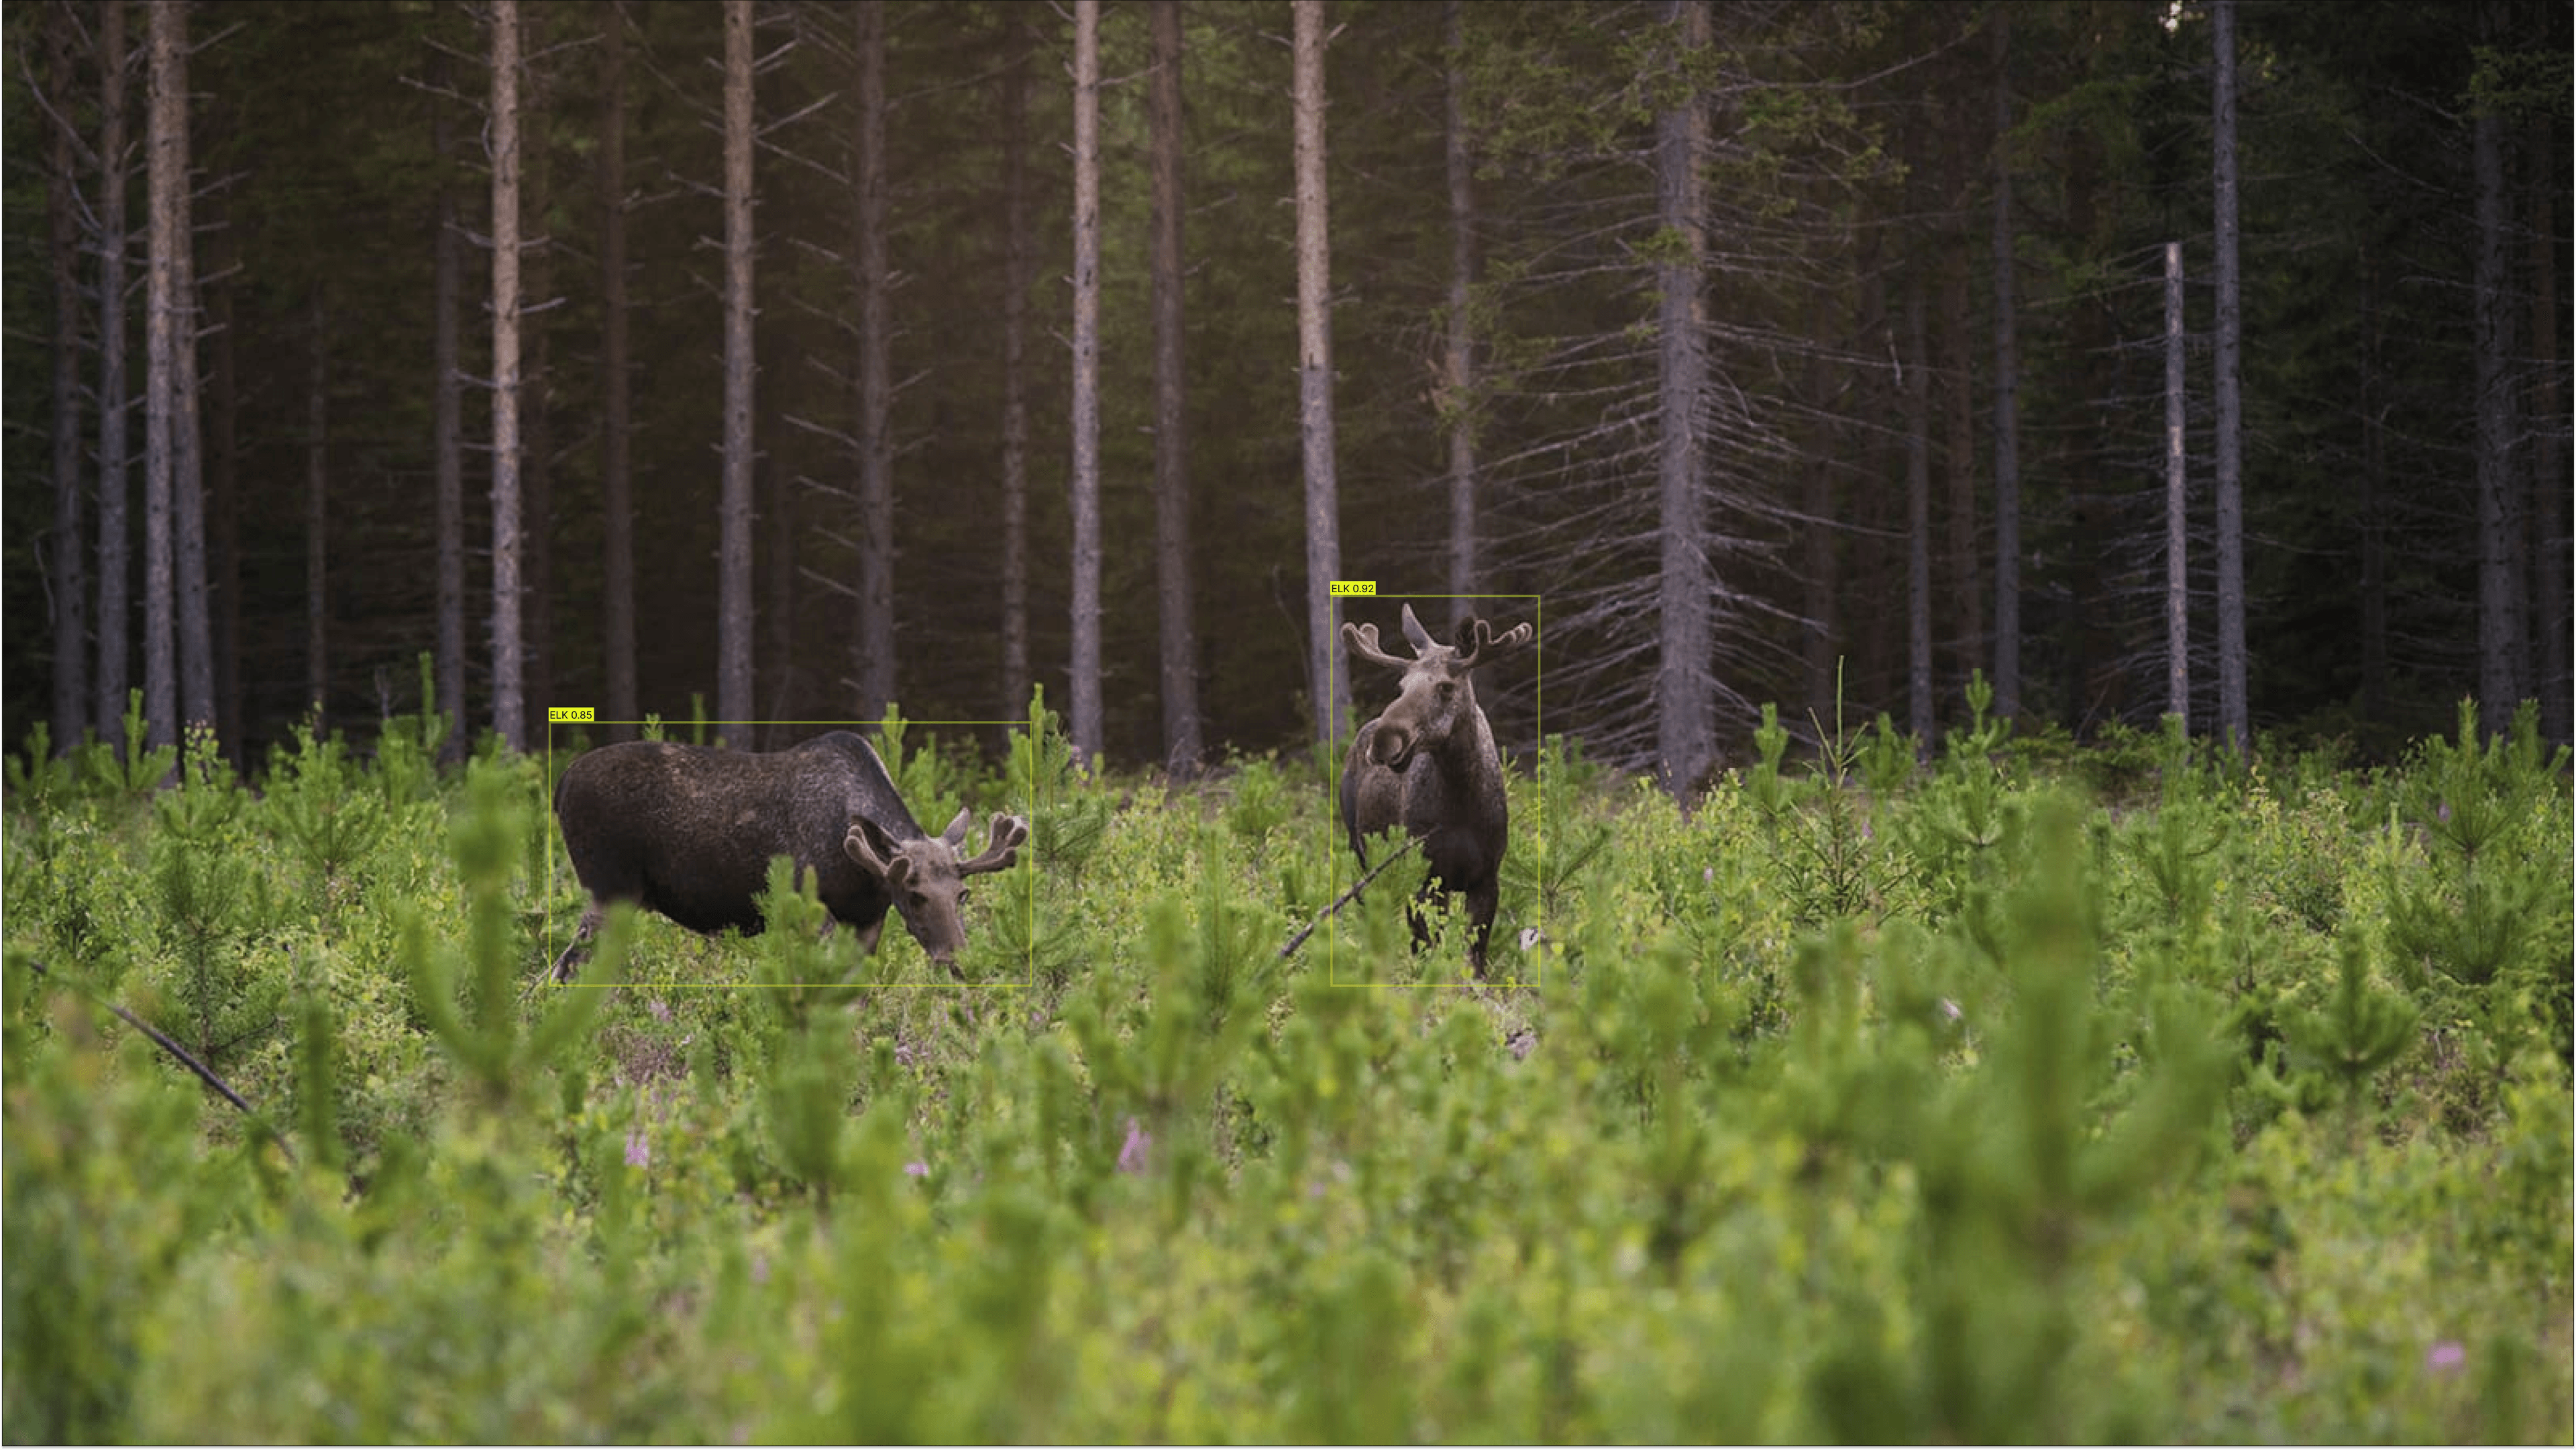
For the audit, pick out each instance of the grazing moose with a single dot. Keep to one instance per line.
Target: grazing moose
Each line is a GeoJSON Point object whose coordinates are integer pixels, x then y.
{"type": "Point", "coordinates": [689, 832]}
{"type": "Point", "coordinates": [1428, 763]}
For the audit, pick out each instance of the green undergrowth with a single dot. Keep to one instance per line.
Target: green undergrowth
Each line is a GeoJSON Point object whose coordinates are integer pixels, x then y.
{"type": "Point", "coordinates": [2016, 1093]}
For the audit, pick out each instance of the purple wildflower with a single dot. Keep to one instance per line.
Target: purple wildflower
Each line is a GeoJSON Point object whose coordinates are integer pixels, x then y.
{"type": "Point", "coordinates": [639, 1152]}
{"type": "Point", "coordinates": [916, 1169]}
{"type": "Point", "coordinates": [2445, 1357]}
{"type": "Point", "coordinates": [1131, 1154]}
{"type": "Point", "coordinates": [660, 1009]}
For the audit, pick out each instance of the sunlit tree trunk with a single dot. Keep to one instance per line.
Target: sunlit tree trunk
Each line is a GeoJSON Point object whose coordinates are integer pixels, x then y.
{"type": "Point", "coordinates": [509, 718]}
{"type": "Point", "coordinates": [1458, 360]}
{"type": "Point", "coordinates": [1086, 381]}
{"type": "Point", "coordinates": [733, 550]}
{"type": "Point", "coordinates": [2177, 503]}
{"type": "Point", "coordinates": [167, 330]}
{"type": "Point", "coordinates": [1329, 691]}
{"type": "Point", "coordinates": [1181, 743]}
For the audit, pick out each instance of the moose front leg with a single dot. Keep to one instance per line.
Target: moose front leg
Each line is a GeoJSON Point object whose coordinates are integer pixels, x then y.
{"type": "Point", "coordinates": [568, 962]}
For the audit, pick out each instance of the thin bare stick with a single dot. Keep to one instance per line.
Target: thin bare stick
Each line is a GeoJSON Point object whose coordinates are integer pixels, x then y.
{"type": "Point", "coordinates": [1347, 897]}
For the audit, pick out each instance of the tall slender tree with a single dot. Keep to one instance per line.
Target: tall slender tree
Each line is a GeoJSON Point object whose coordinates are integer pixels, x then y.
{"type": "Point", "coordinates": [2007, 386]}
{"type": "Point", "coordinates": [1181, 744]}
{"type": "Point", "coordinates": [317, 516]}
{"type": "Point", "coordinates": [187, 439]}
{"type": "Point", "coordinates": [734, 522]}
{"type": "Point", "coordinates": [168, 330]}
{"type": "Point", "coordinates": [2549, 449]}
{"type": "Point", "coordinates": [2500, 639]}
{"type": "Point", "coordinates": [1458, 356]}
{"type": "Point", "coordinates": [1685, 703]}
{"type": "Point", "coordinates": [67, 582]}
{"type": "Point", "coordinates": [447, 420]}
{"type": "Point", "coordinates": [1315, 367]}
{"type": "Point", "coordinates": [876, 660]}
{"type": "Point", "coordinates": [509, 704]}
{"type": "Point", "coordinates": [616, 456]}
{"type": "Point", "coordinates": [1918, 515]}
{"type": "Point", "coordinates": [1016, 251]}
{"type": "Point", "coordinates": [1086, 381]}
{"type": "Point", "coordinates": [2177, 504]}
{"type": "Point", "coordinates": [2234, 725]}
{"type": "Point", "coordinates": [115, 485]}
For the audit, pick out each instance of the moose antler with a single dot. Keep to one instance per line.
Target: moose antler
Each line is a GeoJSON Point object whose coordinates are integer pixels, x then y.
{"type": "Point", "coordinates": [1001, 846]}
{"type": "Point", "coordinates": [1476, 637]}
{"type": "Point", "coordinates": [1362, 641]}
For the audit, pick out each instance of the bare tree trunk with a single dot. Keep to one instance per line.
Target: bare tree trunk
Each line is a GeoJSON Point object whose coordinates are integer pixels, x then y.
{"type": "Point", "coordinates": [876, 402]}
{"type": "Point", "coordinates": [1328, 690]}
{"type": "Point", "coordinates": [2500, 635]}
{"type": "Point", "coordinates": [115, 565]}
{"type": "Point", "coordinates": [1685, 715]}
{"type": "Point", "coordinates": [317, 492]}
{"type": "Point", "coordinates": [2177, 503]}
{"type": "Point", "coordinates": [509, 706]}
{"type": "Point", "coordinates": [780, 490]}
{"type": "Point", "coordinates": [2007, 391]}
{"type": "Point", "coordinates": [167, 331]}
{"type": "Point", "coordinates": [733, 551]}
{"type": "Point", "coordinates": [1957, 380]}
{"type": "Point", "coordinates": [2234, 725]}
{"type": "Point", "coordinates": [447, 426]}
{"type": "Point", "coordinates": [1086, 381]}
{"type": "Point", "coordinates": [616, 468]}
{"type": "Point", "coordinates": [1822, 572]}
{"type": "Point", "coordinates": [1458, 374]}
{"type": "Point", "coordinates": [1918, 516]}
{"type": "Point", "coordinates": [67, 581]}
{"type": "Point", "coordinates": [2374, 494]}
{"type": "Point", "coordinates": [1181, 743]}
{"type": "Point", "coordinates": [187, 445]}
{"type": "Point", "coordinates": [2549, 456]}
{"type": "Point", "coordinates": [536, 374]}
{"type": "Point", "coordinates": [1015, 372]}
{"type": "Point", "coordinates": [223, 487]}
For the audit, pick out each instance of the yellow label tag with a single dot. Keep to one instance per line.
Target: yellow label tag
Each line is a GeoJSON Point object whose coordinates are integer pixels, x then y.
{"type": "Point", "coordinates": [1353, 586]}
{"type": "Point", "coordinates": [570, 714]}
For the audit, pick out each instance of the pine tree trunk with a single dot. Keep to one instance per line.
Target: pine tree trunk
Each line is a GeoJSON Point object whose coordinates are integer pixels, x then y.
{"type": "Point", "coordinates": [1821, 574]}
{"type": "Point", "coordinates": [1458, 374]}
{"type": "Point", "coordinates": [1086, 723]}
{"type": "Point", "coordinates": [1918, 517]}
{"type": "Point", "coordinates": [616, 468]}
{"type": "Point", "coordinates": [2234, 720]}
{"type": "Point", "coordinates": [2177, 502]}
{"type": "Point", "coordinates": [876, 410]}
{"type": "Point", "coordinates": [67, 581]}
{"type": "Point", "coordinates": [447, 428]}
{"type": "Point", "coordinates": [2007, 391]}
{"type": "Point", "coordinates": [317, 493]}
{"type": "Point", "coordinates": [165, 333]}
{"type": "Point", "coordinates": [1328, 690]}
{"type": "Point", "coordinates": [1015, 368]}
{"type": "Point", "coordinates": [115, 484]}
{"type": "Point", "coordinates": [509, 705]}
{"type": "Point", "coordinates": [734, 706]}
{"type": "Point", "coordinates": [2500, 636]}
{"type": "Point", "coordinates": [1685, 717]}
{"type": "Point", "coordinates": [187, 432]}
{"type": "Point", "coordinates": [1181, 741]}
{"type": "Point", "coordinates": [223, 484]}
{"type": "Point", "coordinates": [1957, 380]}
{"type": "Point", "coordinates": [2548, 455]}
{"type": "Point", "coordinates": [536, 377]}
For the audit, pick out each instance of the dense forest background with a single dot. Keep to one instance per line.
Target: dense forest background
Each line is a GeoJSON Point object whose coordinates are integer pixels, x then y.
{"type": "Point", "coordinates": [1924, 247]}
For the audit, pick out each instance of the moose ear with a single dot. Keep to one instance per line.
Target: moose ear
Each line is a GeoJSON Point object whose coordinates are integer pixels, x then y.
{"type": "Point", "coordinates": [955, 835]}
{"type": "Point", "coordinates": [1414, 631]}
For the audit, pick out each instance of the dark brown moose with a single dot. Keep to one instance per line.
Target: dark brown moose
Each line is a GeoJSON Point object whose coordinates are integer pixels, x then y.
{"type": "Point", "coordinates": [1428, 763]}
{"type": "Point", "coordinates": [689, 832]}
